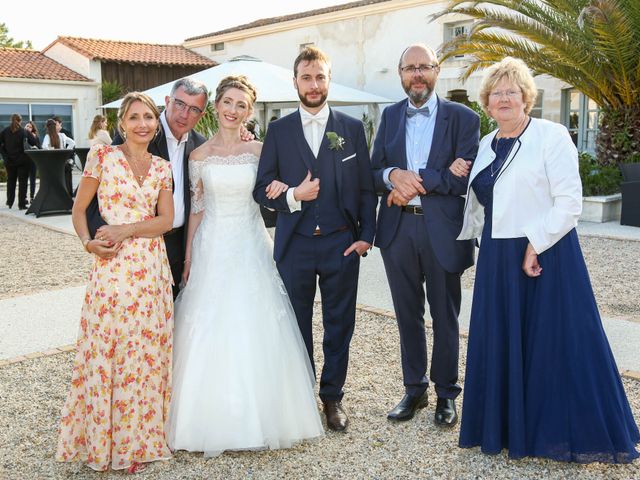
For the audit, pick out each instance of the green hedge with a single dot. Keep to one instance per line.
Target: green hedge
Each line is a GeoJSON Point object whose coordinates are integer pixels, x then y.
{"type": "Point", "coordinates": [598, 179]}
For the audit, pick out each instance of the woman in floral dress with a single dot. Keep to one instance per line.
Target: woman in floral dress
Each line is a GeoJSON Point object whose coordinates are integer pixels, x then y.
{"type": "Point", "coordinates": [121, 383]}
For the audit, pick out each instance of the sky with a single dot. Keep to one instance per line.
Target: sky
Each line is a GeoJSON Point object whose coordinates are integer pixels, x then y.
{"type": "Point", "coordinates": [139, 21]}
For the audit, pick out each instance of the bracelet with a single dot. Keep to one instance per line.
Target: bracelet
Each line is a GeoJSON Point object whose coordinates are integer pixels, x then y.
{"type": "Point", "coordinates": [187, 260]}
{"type": "Point", "coordinates": [85, 244]}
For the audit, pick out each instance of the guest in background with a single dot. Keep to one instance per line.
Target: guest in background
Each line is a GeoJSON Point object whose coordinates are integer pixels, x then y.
{"type": "Point", "coordinates": [54, 138]}
{"type": "Point", "coordinates": [17, 163]}
{"type": "Point", "coordinates": [98, 134]}
{"type": "Point", "coordinates": [32, 130]}
{"type": "Point", "coordinates": [118, 402]}
{"type": "Point", "coordinates": [541, 380]}
{"type": "Point", "coordinates": [58, 120]}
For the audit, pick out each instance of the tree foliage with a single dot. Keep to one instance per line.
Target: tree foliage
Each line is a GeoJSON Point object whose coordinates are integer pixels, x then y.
{"type": "Point", "coordinates": [593, 45]}
{"type": "Point", "coordinates": [7, 41]}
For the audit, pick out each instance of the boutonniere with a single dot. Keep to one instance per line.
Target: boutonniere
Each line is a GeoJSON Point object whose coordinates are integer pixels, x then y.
{"type": "Point", "coordinates": [336, 142]}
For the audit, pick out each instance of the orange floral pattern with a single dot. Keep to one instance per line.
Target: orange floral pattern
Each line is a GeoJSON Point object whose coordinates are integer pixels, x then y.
{"type": "Point", "coordinates": [121, 383]}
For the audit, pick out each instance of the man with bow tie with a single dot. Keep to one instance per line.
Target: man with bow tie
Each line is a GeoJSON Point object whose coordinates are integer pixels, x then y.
{"type": "Point", "coordinates": [326, 219]}
{"type": "Point", "coordinates": [419, 219]}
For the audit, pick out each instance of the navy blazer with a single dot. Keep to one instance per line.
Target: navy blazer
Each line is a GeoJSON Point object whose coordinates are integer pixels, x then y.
{"type": "Point", "coordinates": [456, 134]}
{"type": "Point", "coordinates": [286, 156]}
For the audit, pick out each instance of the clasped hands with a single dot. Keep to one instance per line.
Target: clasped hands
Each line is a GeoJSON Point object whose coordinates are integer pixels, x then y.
{"type": "Point", "coordinates": [108, 240]}
{"type": "Point", "coordinates": [406, 186]}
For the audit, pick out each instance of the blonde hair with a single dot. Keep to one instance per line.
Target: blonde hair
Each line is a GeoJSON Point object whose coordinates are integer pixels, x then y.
{"type": "Point", "coordinates": [129, 99]}
{"type": "Point", "coordinates": [241, 83]}
{"type": "Point", "coordinates": [517, 72]}
{"type": "Point", "coordinates": [96, 125]}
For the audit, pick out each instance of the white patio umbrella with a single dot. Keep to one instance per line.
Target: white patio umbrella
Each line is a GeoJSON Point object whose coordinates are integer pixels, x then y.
{"type": "Point", "coordinates": [273, 83]}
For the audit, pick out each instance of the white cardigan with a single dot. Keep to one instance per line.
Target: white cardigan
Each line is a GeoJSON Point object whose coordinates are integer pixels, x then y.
{"type": "Point", "coordinates": [538, 192]}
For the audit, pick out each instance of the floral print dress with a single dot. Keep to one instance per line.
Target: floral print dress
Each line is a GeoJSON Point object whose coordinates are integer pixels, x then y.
{"type": "Point", "coordinates": [121, 382]}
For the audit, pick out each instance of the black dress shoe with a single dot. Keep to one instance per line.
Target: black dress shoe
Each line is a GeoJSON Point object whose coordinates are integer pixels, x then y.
{"type": "Point", "coordinates": [406, 409]}
{"type": "Point", "coordinates": [446, 415]}
{"type": "Point", "coordinates": [337, 419]}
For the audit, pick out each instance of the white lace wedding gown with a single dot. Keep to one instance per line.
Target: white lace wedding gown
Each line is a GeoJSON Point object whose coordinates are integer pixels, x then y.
{"type": "Point", "coordinates": [241, 375]}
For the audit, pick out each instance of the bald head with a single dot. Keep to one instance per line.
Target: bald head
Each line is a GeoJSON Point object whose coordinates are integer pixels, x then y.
{"type": "Point", "coordinates": [418, 69]}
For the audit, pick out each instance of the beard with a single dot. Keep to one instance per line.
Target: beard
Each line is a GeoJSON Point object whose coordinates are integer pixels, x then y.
{"type": "Point", "coordinates": [418, 98]}
{"type": "Point", "coordinates": [313, 104]}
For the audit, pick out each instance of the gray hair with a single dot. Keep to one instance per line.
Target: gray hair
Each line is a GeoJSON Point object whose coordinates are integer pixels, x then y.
{"type": "Point", "coordinates": [191, 87]}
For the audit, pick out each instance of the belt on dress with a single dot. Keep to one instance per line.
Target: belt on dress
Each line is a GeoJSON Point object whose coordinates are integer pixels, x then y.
{"type": "Point", "coordinates": [413, 209]}
{"type": "Point", "coordinates": [318, 233]}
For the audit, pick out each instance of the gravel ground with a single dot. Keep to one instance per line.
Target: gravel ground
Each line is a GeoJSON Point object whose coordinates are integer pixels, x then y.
{"type": "Point", "coordinates": [32, 393]}
{"type": "Point", "coordinates": [614, 267]}
{"type": "Point", "coordinates": [28, 263]}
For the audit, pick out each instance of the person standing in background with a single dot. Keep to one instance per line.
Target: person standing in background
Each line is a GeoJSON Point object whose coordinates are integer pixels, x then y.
{"type": "Point", "coordinates": [32, 130]}
{"type": "Point", "coordinates": [98, 134]}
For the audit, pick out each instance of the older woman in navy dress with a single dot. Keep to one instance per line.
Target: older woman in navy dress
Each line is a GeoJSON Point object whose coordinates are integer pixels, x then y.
{"type": "Point", "coordinates": [541, 379]}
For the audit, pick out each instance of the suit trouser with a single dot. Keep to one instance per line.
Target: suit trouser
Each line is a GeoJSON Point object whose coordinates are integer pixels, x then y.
{"type": "Point", "coordinates": [322, 256]}
{"type": "Point", "coordinates": [410, 262]}
{"type": "Point", "coordinates": [20, 174]}
{"type": "Point", "coordinates": [175, 252]}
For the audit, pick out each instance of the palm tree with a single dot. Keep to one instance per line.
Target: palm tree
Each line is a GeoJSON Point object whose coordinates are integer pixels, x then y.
{"type": "Point", "coordinates": [593, 45]}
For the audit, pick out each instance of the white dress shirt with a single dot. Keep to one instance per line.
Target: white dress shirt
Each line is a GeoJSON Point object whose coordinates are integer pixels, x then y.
{"type": "Point", "coordinates": [313, 127]}
{"type": "Point", "coordinates": [176, 148]}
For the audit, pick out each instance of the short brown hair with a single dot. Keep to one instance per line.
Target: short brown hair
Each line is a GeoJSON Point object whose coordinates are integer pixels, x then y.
{"type": "Point", "coordinates": [131, 98]}
{"type": "Point", "coordinates": [310, 54]}
{"type": "Point", "coordinates": [241, 83]}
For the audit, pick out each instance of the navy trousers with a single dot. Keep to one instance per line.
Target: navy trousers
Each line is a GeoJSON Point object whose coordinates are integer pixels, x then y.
{"type": "Point", "coordinates": [321, 259]}
{"type": "Point", "coordinates": [410, 263]}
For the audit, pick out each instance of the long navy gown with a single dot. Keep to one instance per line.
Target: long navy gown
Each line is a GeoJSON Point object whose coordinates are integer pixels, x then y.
{"type": "Point", "coordinates": [541, 380]}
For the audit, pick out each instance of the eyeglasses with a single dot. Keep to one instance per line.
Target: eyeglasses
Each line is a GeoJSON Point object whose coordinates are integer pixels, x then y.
{"type": "Point", "coordinates": [181, 106]}
{"type": "Point", "coordinates": [509, 93]}
{"type": "Point", "coordinates": [411, 69]}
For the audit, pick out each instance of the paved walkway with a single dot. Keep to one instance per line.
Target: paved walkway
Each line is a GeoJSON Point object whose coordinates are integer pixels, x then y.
{"type": "Point", "coordinates": [46, 320]}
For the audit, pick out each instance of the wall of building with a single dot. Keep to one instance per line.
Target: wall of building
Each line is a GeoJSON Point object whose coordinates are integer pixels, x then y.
{"type": "Point", "coordinates": [364, 45]}
{"type": "Point", "coordinates": [82, 96]}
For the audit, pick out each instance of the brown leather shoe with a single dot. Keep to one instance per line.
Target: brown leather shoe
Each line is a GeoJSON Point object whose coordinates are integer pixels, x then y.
{"type": "Point", "coordinates": [337, 419]}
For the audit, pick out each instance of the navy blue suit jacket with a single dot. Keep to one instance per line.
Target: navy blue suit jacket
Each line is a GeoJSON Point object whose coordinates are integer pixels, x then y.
{"type": "Point", "coordinates": [456, 134]}
{"type": "Point", "coordinates": [286, 156]}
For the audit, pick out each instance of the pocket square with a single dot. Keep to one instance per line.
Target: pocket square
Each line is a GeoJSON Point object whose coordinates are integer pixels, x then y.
{"type": "Point", "coordinates": [349, 157]}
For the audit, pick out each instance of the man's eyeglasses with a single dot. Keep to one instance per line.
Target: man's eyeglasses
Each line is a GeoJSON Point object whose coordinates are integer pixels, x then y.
{"type": "Point", "coordinates": [181, 106]}
{"type": "Point", "coordinates": [419, 68]}
{"type": "Point", "coordinates": [509, 93]}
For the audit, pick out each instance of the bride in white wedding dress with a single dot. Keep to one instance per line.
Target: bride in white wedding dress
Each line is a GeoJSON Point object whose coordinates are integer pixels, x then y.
{"type": "Point", "coordinates": [241, 375]}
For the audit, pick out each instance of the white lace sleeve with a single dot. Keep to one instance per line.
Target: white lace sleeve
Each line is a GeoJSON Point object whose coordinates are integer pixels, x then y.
{"type": "Point", "coordinates": [196, 187]}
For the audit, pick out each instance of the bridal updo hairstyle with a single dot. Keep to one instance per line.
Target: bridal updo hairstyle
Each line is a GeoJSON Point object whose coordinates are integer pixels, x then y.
{"type": "Point", "coordinates": [128, 100]}
{"type": "Point", "coordinates": [241, 83]}
{"type": "Point", "coordinates": [516, 72]}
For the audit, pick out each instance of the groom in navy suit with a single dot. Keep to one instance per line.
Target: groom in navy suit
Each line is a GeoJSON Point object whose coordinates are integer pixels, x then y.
{"type": "Point", "coordinates": [326, 219]}
{"type": "Point", "coordinates": [419, 219]}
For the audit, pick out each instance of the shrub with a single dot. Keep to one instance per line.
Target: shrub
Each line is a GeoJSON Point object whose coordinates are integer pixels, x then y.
{"type": "Point", "coordinates": [3, 173]}
{"type": "Point", "coordinates": [598, 179]}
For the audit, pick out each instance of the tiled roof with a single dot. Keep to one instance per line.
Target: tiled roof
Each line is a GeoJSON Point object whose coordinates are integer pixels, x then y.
{"type": "Point", "coordinates": [295, 16]}
{"type": "Point", "coordinates": [22, 63]}
{"type": "Point", "coordinates": [132, 52]}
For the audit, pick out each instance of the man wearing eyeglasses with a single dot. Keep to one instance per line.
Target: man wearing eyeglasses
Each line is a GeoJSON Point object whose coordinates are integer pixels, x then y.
{"type": "Point", "coordinates": [174, 142]}
{"type": "Point", "coordinates": [419, 218]}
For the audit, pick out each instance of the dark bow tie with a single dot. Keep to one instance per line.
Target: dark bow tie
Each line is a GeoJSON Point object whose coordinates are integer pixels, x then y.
{"type": "Point", "coordinates": [411, 111]}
